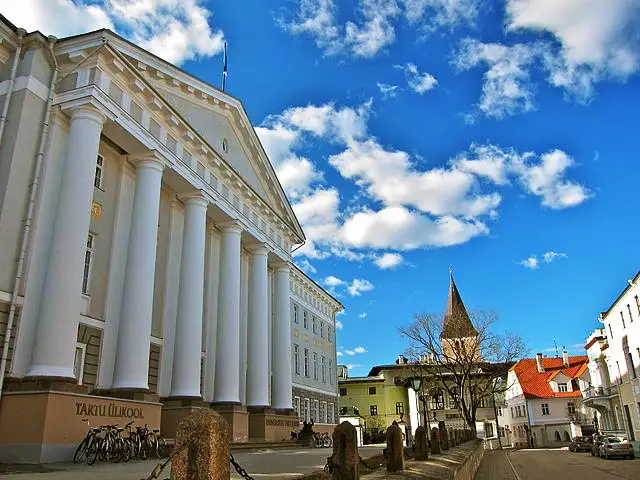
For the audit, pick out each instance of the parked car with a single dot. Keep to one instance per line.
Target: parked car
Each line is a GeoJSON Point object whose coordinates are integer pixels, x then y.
{"type": "Point", "coordinates": [581, 444]}
{"type": "Point", "coordinates": [595, 444]}
{"type": "Point", "coordinates": [616, 447]}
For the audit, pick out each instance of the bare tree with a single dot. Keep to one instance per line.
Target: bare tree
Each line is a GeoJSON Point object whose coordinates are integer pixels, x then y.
{"type": "Point", "coordinates": [464, 356]}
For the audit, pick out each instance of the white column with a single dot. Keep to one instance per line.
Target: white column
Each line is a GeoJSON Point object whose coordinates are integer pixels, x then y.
{"type": "Point", "coordinates": [227, 381]}
{"type": "Point", "coordinates": [132, 355]}
{"type": "Point", "coordinates": [57, 331]}
{"type": "Point", "coordinates": [212, 281]}
{"type": "Point", "coordinates": [282, 381]}
{"type": "Point", "coordinates": [187, 353]}
{"type": "Point", "coordinates": [258, 330]}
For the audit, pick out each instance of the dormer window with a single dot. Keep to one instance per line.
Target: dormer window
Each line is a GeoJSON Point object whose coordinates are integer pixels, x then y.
{"type": "Point", "coordinates": [562, 387]}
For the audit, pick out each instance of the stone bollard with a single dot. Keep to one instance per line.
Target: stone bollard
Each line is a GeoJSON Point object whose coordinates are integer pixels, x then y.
{"type": "Point", "coordinates": [444, 438]}
{"type": "Point", "coordinates": [422, 446]}
{"type": "Point", "coordinates": [435, 440]}
{"type": "Point", "coordinates": [452, 438]}
{"type": "Point", "coordinates": [345, 459]}
{"type": "Point", "coordinates": [206, 456]}
{"type": "Point", "coordinates": [395, 448]}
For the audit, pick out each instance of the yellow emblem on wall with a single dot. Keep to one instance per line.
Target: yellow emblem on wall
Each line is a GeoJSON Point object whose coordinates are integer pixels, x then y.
{"type": "Point", "coordinates": [96, 210]}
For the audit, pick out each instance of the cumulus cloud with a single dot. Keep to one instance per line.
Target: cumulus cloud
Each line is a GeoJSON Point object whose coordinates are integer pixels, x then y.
{"type": "Point", "coordinates": [389, 261]}
{"type": "Point", "coordinates": [338, 326]}
{"type": "Point", "coordinates": [355, 351]}
{"type": "Point", "coordinates": [387, 91]}
{"type": "Point", "coordinates": [359, 285]}
{"type": "Point", "coordinates": [175, 31]}
{"type": "Point", "coordinates": [533, 262]}
{"type": "Point", "coordinates": [371, 26]}
{"type": "Point", "coordinates": [362, 315]}
{"type": "Point", "coordinates": [354, 288]}
{"type": "Point", "coordinates": [418, 82]}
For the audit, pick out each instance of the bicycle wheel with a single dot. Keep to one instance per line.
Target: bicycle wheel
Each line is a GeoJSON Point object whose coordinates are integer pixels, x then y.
{"type": "Point", "coordinates": [81, 451]}
{"type": "Point", "coordinates": [326, 441]}
{"type": "Point", "coordinates": [116, 452]}
{"type": "Point", "coordinates": [144, 449]}
{"type": "Point", "coordinates": [163, 448]}
{"type": "Point", "coordinates": [104, 450]}
{"type": "Point", "coordinates": [92, 452]}
{"type": "Point", "coordinates": [127, 450]}
{"type": "Point", "coordinates": [153, 444]}
{"type": "Point", "coordinates": [135, 444]}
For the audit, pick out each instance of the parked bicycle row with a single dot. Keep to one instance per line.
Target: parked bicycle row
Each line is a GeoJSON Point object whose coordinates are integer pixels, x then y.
{"type": "Point", "coordinates": [116, 444]}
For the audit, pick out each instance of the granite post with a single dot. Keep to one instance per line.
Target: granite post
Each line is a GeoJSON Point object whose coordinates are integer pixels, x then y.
{"type": "Point", "coordinates": [444, 439]}
{"type": "Point", "coordinates": [202, 448]}
{"type": "Point", "coordinates": [345, 458]}
{"type": "Point", "coordinates": [422, 446]}
{"type": "Point", "coordinates": [435, 440]}
{"type": "Point", "coordinates": [395, 448]}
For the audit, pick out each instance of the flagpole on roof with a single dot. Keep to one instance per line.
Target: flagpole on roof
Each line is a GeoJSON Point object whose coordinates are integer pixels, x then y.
{"type": "Point", "coordinates": [224, 67]}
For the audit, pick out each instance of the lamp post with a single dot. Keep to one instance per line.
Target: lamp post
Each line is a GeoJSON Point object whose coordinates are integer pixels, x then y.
{"type": "Point", "coordinates": [416, 385]}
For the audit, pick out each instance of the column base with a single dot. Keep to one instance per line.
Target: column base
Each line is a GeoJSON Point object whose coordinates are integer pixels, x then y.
{"type": "Point", "coordinates": [42, 419]}
{"type": "Point", "coordinates": [237, 417]}
{"type": "Point", "coordinates": [138, 394]}
{"type": "Point", "coordinates": [269, 425]}
{"type": "Point", "coordinates": [175, 409]}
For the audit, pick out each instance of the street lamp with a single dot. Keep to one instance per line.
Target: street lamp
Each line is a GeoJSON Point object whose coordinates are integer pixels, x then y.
{"type": "Point", "coordinates": [416, 385]}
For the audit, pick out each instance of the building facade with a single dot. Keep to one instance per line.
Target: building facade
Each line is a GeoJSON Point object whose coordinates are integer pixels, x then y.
{"type": "Point", "coordinates": [614, 351]}
{"type": "Point", "coordinates": [543, 402]}
{"type": "Point", "coordinates": [146, 252]}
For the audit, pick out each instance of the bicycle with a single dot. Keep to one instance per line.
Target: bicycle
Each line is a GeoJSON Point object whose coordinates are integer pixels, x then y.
{"type": "Point", "coordinates": [322, 440]}
{"type": "Point", "coordinates": [83, 446]}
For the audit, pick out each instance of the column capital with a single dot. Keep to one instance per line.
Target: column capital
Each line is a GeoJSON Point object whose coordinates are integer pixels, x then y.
{"type": "Point", "coordinates": [258, 249]}
{"type": "Point", "coordinates": [194, 198]}
{"type": "Point", "coordinates": [88, 107]}
{"type": "Point", "coordinates": [149, 159]}
{"type": "Point", "coordinates": [282, 267]}
{"type": "Point", "coordinates": [231, 226]}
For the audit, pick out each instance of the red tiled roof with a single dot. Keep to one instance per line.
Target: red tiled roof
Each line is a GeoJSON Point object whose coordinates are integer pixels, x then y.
{"type": "Point", "coordinates": [536, 385]}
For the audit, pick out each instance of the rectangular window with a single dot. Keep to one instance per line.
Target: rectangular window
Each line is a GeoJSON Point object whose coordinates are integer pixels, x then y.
{"type": "Point", "coordinates": [638, 304]}
{"type": "Point", "coordinates": [295, 313]}
{"type": "Point", "coordinates": [323, 412]}
{"type": "Point", "coordinates": [545, 408]}
{"type": "Point", "coordinates": [622, 318]}
{"type": "Point", "coordinates": [630, 315]}
{"type": "Point", "coordinates": [315, 366]}
{"type": "Point", "coordinates": [343, 392]}
{"type": "Point", "coordinates": [453, 398]}
{"type": "Point", "coordinates": [562, 387]}
{"type": "Point", "coordinates": [296, 358]}
{"type": "Point", "coordinates": [630, 366]}
{"type": "Point", "coordinates": [316, 411]}
{"type": "Point", "coordinates": [306, 362]}
{"type": "Point", "coordinates": [324, 369]}
{"type": "Point", "coordinates": [611, 331]}
{"type": "Point", "coordinates": [499, 411]}
{"type": "Point", "coordinates": [78, 362]}
{"type": "Point", "coordinates": [483, 402]}
{"type": "Point", "coordinates": [321, 329]}
{"type": "Point", "coordinates": [501, 432]}
{"type": "Point", "coordinates": [399, 408]}
{"type": "Point", "coordinates": [307, 410]}
{"type": "Point", "coordinates": [99, 178]}
{"type": "Point", "coordinates": [373, 410]}
{"type": "Point", "coordinates": [330, 417]}
{"type": "Point", "coordinates": [488, 430]}
{"type": "Point", "coordinates": [512, 415]}
{"type": "Point", "coordinates": [329, 334]}
{"type": "Point", "coordinates": [571, 408]}
{"type": "Point", "coordinates": [296, 406]}
{"type": "Point", "coordinates": [305, 321]}
{"type": "Point", "coordinates": [314, 324]}
{"type": "Point", "coordinates": [88, 257]}
{"type": "Point", "coordinates": [372, 390]}
{"type": "Point", "coordinates": [343, 410]}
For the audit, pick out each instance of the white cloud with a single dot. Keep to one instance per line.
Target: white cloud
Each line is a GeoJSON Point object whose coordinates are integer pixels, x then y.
{"type": "Point", "coordinates": [507, 88]}
{"type": "Point", "coordinates": [339, 354]}
{"type": "Point", "coordinates": [353, 365]}
{"type": "Point", "coordinates": [174, 30]}
{"type": "Point", "coordinates": [332, 281]}
{"type": "Point", "coordinates": [358, 286]}
{"type": "Point", "coordinates": [533, 263]}
{"type": "Point", "coordinates": [362, 315]}
{"type": "Point", "coordinates": [387, 91]}
{"type": "Point", "coordinates": [371, 26]}
{"type": "Point", "coordinates": [418, 82]}
{"type": "Point", "coordinates": [389, 261]}
{"type": "Point", "coordinates": [338, 326]}
{"type": "Point", "coordinates": [306, 266]}
{"type": "Point", "coordinates": [597, 38]}
{"type": "Point", "coordinates": [355, 351]}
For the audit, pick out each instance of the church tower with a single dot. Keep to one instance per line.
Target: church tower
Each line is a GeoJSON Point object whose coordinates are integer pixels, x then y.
{"type": "Point", "coordinates": [458, 337]}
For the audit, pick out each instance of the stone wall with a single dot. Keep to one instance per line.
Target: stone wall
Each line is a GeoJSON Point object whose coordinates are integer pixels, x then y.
{"type": "Point", "coordinates": [468, 468]}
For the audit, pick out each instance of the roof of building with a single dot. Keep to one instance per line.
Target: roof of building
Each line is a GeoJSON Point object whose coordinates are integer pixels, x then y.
{"type": "Point", "coordinates": [536, 385]}
{"type": "Point", "coordinates": [630, 284]}
{"type": "Point", "coordinates": [457, 323]}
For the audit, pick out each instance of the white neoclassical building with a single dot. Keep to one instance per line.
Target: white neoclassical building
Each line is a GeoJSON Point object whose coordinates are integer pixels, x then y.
{"type": "Point", "coordinates": [145, 260]}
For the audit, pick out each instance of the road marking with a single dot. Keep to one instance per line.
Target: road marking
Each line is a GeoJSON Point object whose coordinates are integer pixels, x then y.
{"type": "Point", "coordinates": [512, 467]}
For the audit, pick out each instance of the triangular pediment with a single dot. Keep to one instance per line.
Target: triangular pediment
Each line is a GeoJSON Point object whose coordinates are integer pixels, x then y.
{"type": "Point", "coordinates": [217, 118]}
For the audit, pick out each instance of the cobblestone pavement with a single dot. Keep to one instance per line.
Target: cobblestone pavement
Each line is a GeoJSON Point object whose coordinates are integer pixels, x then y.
{"type": "Point", "coordinates": [262, 465]}
{"type": "Point", "coordinates": [554, 464]}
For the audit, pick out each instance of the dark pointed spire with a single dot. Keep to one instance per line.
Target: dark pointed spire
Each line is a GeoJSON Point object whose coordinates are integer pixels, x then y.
{"type": "Point", "coordinates": [457, 323]}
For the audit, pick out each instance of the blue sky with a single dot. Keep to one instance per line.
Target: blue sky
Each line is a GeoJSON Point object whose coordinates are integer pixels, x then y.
{"type": "Point", "coordinates": [499, 137]}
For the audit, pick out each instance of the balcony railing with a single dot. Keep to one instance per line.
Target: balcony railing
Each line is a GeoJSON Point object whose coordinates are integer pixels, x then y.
{"type": "Point", "coordinates": [600, 392]}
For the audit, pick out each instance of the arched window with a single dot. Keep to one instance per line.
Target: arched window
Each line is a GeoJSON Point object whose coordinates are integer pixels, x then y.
{"type": "Point", "coordinates": [567, 437]}
{"type": "Point", "coordinates": [558, 436]}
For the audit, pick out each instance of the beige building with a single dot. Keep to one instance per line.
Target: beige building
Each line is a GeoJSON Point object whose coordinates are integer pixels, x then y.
{"type": "Point", "coordinates": [145, 267]}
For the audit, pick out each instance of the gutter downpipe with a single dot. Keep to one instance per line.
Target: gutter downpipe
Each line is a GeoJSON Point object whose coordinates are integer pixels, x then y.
{"type": "Point", "coordinates": [12, 79]}
{"type": "Point", "coordinates": [33, 192]}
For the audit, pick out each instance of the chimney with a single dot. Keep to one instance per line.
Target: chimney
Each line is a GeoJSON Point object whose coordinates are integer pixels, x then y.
{"type": "Point", "coordinates": [539, 362]}
{"type": "Point", "coordinates": [565, 359]}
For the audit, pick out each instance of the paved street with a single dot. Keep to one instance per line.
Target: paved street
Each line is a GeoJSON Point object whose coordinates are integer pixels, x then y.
{"type": "Point", "coordinates": [267, 464]}
{"type": "Point", "coordinates": [554, 464]}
